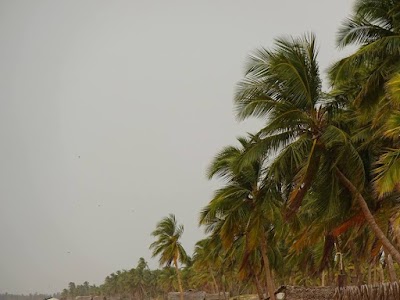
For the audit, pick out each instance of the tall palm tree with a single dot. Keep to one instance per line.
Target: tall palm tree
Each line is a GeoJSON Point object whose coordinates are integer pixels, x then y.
{"type": "Point", "coordinates": [369, 79]}
{"type": "Point", "coordinates": [374, 69]}
{"type": "Point", "coordinates": [168, 246]}
{"type": "Point", "coordinates": [307, 129]}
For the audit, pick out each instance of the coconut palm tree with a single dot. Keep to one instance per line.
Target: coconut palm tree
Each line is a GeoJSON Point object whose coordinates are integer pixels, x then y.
{"type": "Point", "coordinates": [375, 27]}
{"type": "Point", "coordinates": [309, 131]}
{"type": "Point", "coordinates": [141, 278]}
{"type": "Point", "coordinates": [168, 246]}
{"type": "Point", "coordinates": [167, 279]}
{"type": "Point", "coordinates": [246, 207]}
{"type": "Point", "coordinates": [369, 80]}
{"type": "Point", "coordinates": [203, 261]}
{"type": "Point", "coordinates": [387, 167]}
{"type": "Point", "coordinates": [375, 80]}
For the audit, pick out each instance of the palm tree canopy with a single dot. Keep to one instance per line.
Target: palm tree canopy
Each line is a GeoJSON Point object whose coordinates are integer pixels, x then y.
{"type": "Point", "coordinates": [167, 244]}
{"type": "Point", "coordinates": [375, 27]}
{"type": "Point", "coordinates": [279, 79]}
{"type": "Point", "coordinates": [304, 126]}
{"type": "Point", "coordinates": [373, 20]}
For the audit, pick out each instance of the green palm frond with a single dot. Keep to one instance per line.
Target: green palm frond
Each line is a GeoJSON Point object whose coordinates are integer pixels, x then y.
{"type": "Point", "coordinates": [221, 166]}
{"type": "Point", "coordinates": [263, 147]}
{"type": "Point", "coordinates": [392, 126]}
{"type": "Point", "coordinates": [360, 31]}
{"type": "Point", "coordinates": [387, 172]}
{"type": "Point", "coordinates": [393, 89]}
{"type": "Point", "coordinates": [288, 73]}
{"type": "Point", "coordinates": [290, 159]}
{"type": "Point", "coordinates": [383, 12]}
{"type": "Point", "coordinates": [375, 26]}
{"type": "Point", "coordinates": [372, 20]}
{"type": "Point", "coordinates": [341, 148]}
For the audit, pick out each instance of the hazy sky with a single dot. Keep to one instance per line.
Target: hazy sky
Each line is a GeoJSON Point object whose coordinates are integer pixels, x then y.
{"type": "Point", "coordinates": [111, 112]}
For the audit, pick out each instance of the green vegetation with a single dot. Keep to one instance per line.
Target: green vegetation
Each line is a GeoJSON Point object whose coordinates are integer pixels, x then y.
{"type": "Point", "coordinates": [35, 296]}
{"type": "Point", "coordinates": [168, 246]}
{"type": "Point", "coordinates": [313, 197]}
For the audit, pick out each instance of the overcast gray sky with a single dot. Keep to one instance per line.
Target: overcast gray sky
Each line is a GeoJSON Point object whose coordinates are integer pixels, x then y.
{"type": "Point", "coordinates": [111, 112]}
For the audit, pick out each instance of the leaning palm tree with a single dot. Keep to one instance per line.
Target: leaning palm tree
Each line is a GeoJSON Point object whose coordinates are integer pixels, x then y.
{"type": "Point", "coordinates": [369, 80]}
{"type": "Point", "coordinates": [309, 131]}
{"type": "Point", "coordinates": [168, 245]}
{"type": "Point", "coordinates": [372, 75]}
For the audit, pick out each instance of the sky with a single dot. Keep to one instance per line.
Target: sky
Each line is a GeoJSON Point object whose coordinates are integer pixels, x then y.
{"type": "Point", "coordinates": [111, 112]}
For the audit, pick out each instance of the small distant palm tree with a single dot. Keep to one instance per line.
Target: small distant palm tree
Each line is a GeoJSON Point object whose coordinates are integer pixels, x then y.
{"type": "Point", "coordinates": [168, 246]}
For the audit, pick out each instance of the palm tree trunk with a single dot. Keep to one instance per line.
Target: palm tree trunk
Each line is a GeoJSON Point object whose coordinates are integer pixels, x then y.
{"type": "Point", "coordinates": [369, 274]}
{"type": "Point", "coordinates": [268, 276]}
{"type": "Point", "coordinates": [329, 276]}
{"type": "Point", "coordinates": [369, 217]}
{"type": "Point", "coordinates": [381, 274]}
{"type": "Point", "coordinates": [358, 273]}
{"type": "Point", "coordinates": [178, 274]}
{"type": "Point", "coordinates": [356, 262]}
{"type": "Point", "coordinates": [375, 274]}
{"type": "Point", "coordinates": [391, 271]}
{"type": "Point", "coordinates": [214, 281]}
{"type": "Point", "coordinates": [223, 285]}
{"type": "Point", "coordinates": [258, 286]}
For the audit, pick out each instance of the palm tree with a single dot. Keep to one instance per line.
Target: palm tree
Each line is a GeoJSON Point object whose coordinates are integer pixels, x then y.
{"type": "Point", "coordinates": [203, 262]}
{"type": "Point", "coordinates": [72, 289]}
{"type": "Point", "coordinates": [168, 246]}
{"type": "Point", "coordinates": [310, 131]}
{"type": "Point", "coordinates": [245, 207]}
{"type": "Point", "coordinates": [387, 168]}
{"type": "Point", "coordinates": [141, 278]}
{"type": "Point", "coordinates": [375, 27]}
{"type": "Point", "coordinates": [111, 284]}
{"type": "Point", "coordinates": [369, 80]}
{"type": "Point", "coordinates": [374, 69]}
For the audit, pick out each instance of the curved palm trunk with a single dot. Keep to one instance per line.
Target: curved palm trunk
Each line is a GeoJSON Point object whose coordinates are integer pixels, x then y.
{"type": "Point", "coordinates": [297, 195]}
{"type": "Point", "coordinates": [369, 217]}
{"type": "Point", "coordinates": [178, 274]}
{"type": "Point", "coordinates": [268, 276]}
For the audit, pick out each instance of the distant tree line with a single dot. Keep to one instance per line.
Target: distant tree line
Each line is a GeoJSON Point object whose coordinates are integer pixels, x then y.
{"type": "Point", "coordinates": [35, 296]}
{"type": "Point", "coordinates": [84, 289]}
{"type": "Point", "coordinates": [142, 283]}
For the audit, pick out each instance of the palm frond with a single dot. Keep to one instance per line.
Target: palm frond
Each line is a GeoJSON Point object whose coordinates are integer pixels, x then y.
{"type": "Point", "coordinates": [288, 73]}
{"type": "Point", "coordinates": [360, 32]}
{"type": "Point", "coordinates": [387, 172]}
